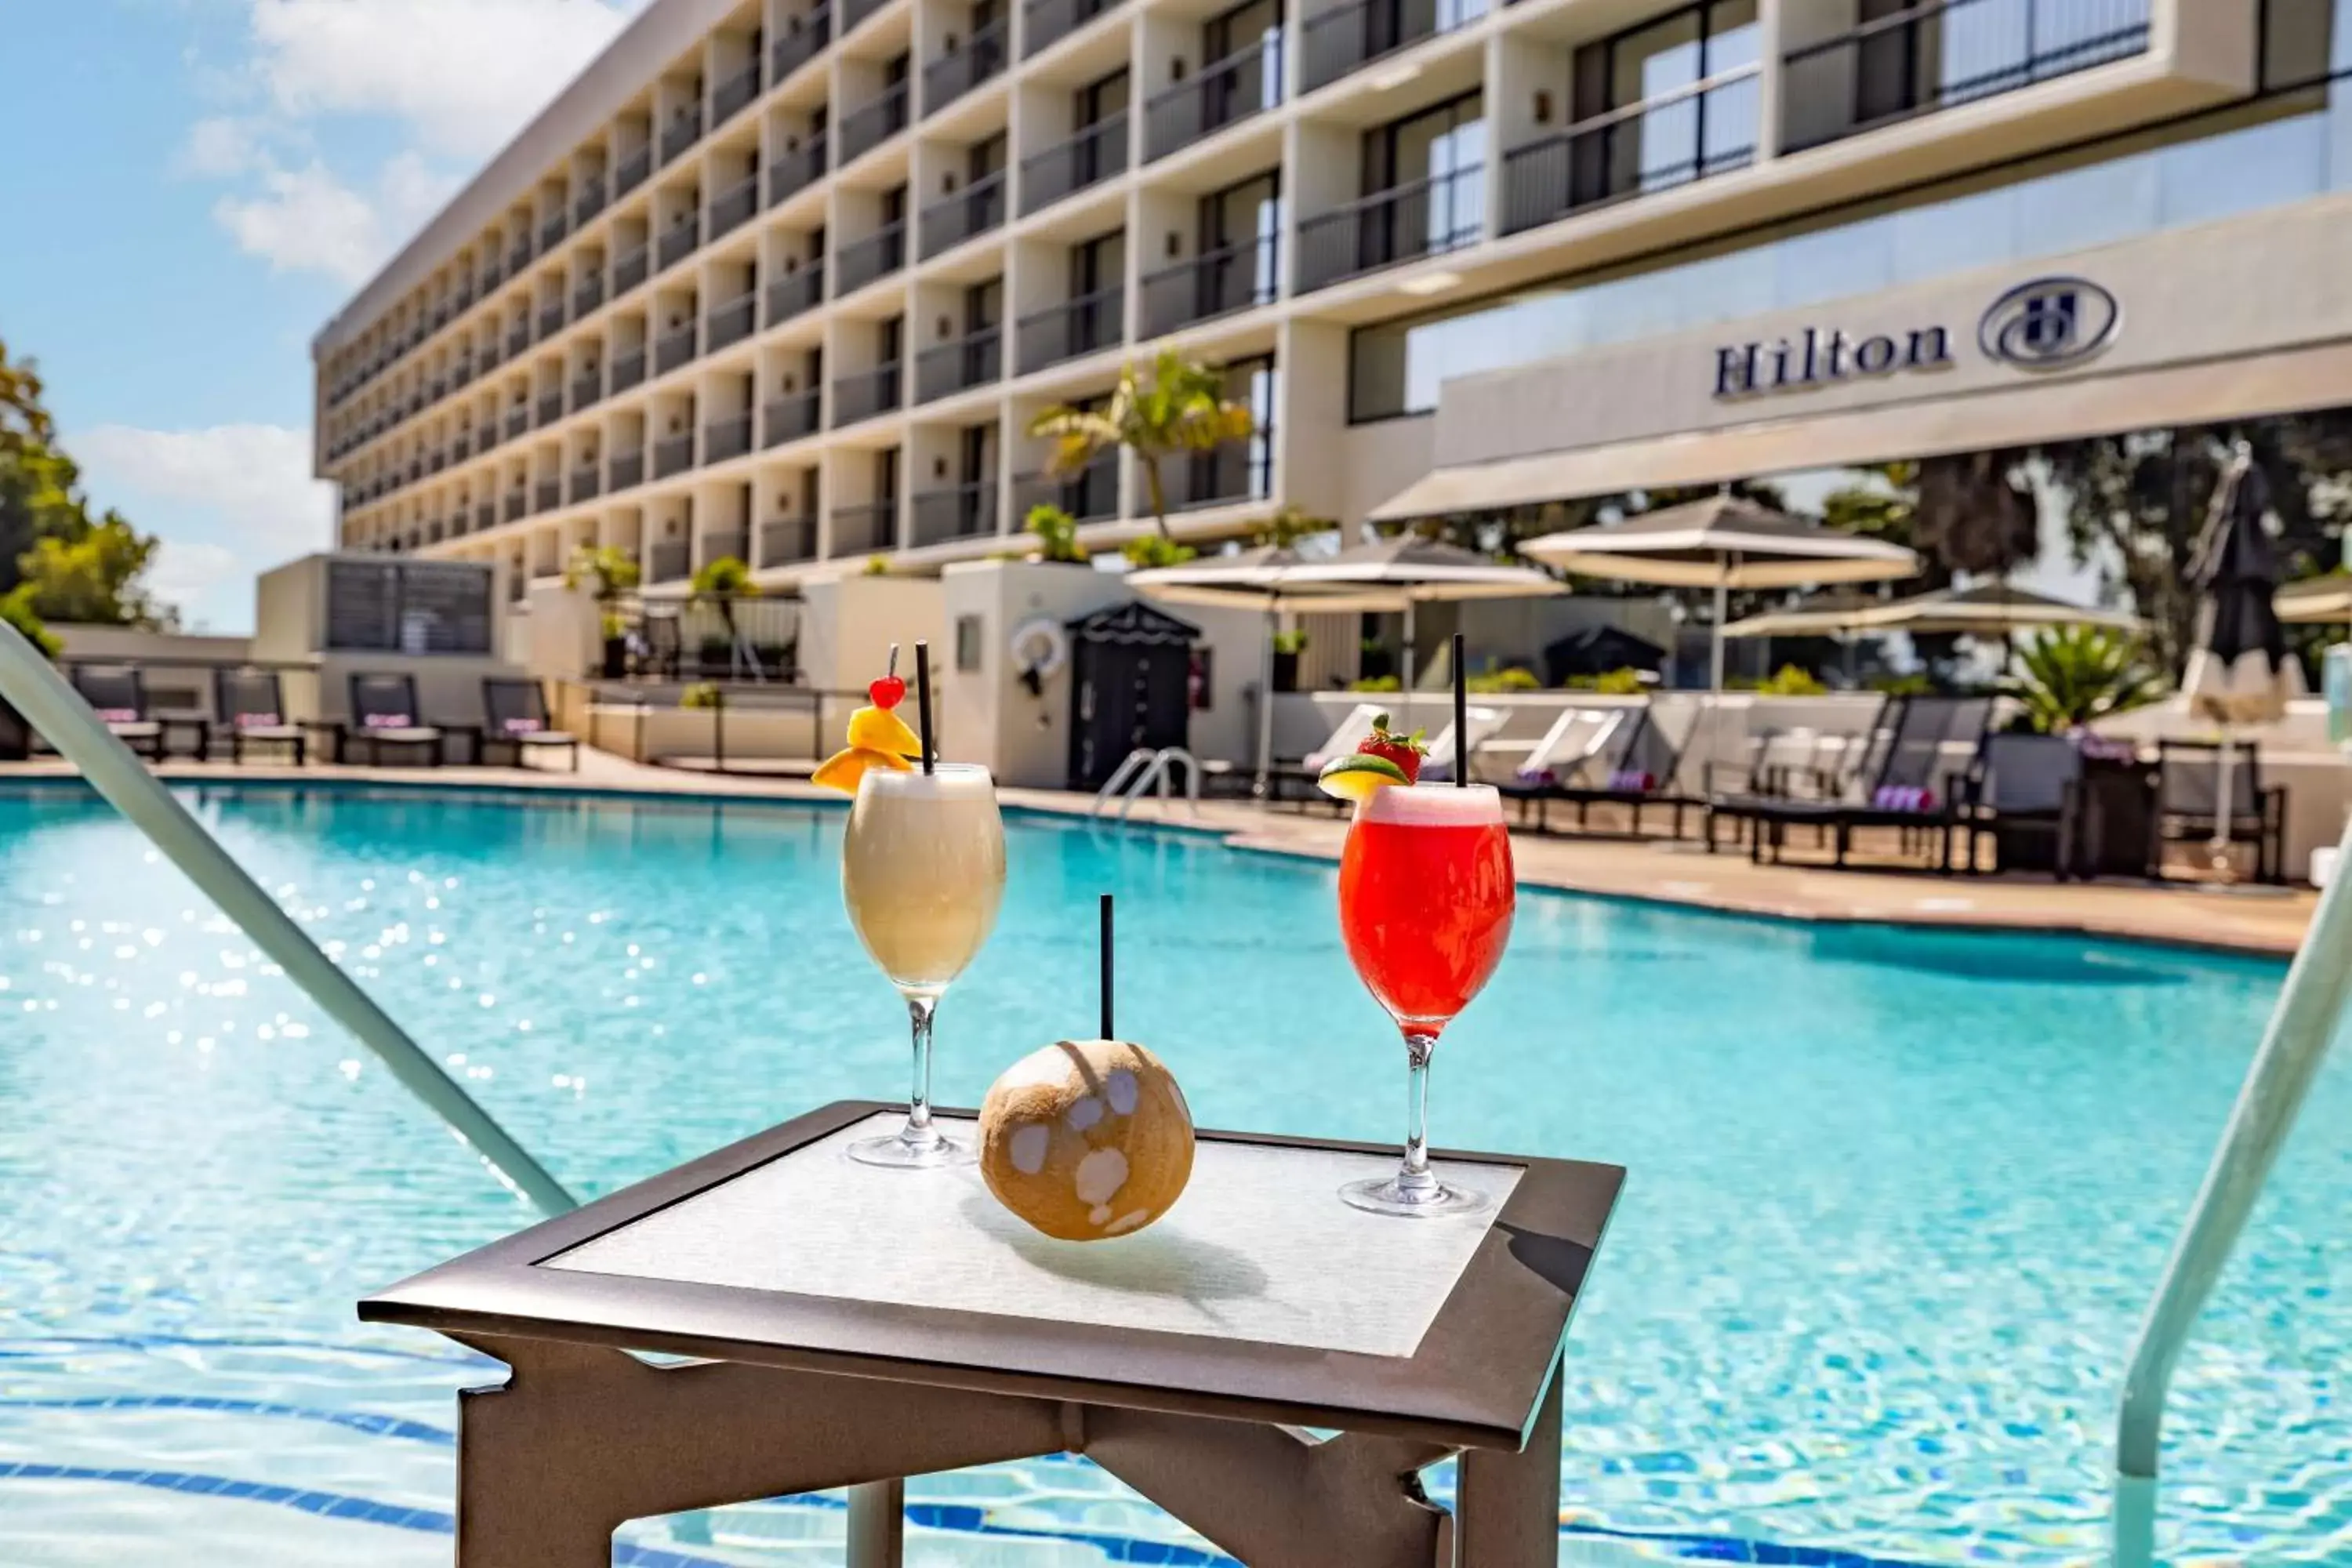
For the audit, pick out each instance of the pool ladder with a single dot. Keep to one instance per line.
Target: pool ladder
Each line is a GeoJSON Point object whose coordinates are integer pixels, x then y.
{"type": "Point", "coordinates": [1145, 768]}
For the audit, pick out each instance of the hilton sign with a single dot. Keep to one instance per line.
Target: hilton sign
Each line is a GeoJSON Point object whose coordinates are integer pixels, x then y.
{"type": "Point", "coordinates": [2047, 324]}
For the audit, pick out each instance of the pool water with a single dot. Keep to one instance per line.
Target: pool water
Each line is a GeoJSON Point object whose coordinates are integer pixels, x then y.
{"type": "Point", "coordinates": [1897, 1198]}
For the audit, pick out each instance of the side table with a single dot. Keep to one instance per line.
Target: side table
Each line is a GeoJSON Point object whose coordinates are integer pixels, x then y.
{"type": "Point", "coordinates": [853, 1326]}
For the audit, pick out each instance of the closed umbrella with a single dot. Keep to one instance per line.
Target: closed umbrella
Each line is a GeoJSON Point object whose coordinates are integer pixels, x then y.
{"type": "Point", "coordinates": [2239, 671]}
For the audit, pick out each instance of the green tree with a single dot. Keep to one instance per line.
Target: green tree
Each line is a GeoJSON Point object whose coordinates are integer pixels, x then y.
{"type": "Point", "coordinates": [1290, 525]}
{"type": "Point", "coordinates": [1057, 535]}
{"type": "Point", "coordinates": [720, 584]}
{"type": "Point", "coordinates": [92, 578]}
{"type": "Point", "coordinates": [606, 571]}
{"type": "Point", "coordinates": [1184, 409]}
{"type": "Point", "coordinates": [14, 612]}
{"type": "Point", "coordinates": [58, 560]}
{"type": "Point", "coordinates": [2069, 675]}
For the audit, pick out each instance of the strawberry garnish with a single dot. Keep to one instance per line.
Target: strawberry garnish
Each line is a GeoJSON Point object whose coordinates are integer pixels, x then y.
{"type": "Point", "coordinates": [1404, 751]}
{"type": "Point", "coordinates": [888, 692]}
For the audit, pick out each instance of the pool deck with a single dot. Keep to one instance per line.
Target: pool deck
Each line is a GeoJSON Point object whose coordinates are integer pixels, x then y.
{"type": "Point", "coordinates": [2255, 920]}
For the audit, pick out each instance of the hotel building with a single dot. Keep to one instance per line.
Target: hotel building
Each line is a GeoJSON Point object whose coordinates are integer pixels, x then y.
{"type": "Point", "coordinates": [787, 281]}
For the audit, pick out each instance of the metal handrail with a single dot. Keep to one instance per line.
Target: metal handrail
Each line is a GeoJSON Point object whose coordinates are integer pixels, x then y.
{"type": "Point", "coordinates": [1142, 769]}
{"type": "Point", "coordinates": [36, 690]}
{"type": "Point", "coordinates": [2294, 1045]}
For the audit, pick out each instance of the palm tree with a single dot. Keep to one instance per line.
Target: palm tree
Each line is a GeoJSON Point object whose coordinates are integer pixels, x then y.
{"type": "Point", "coordinates": [1183, 410]}
{"type": "Point", "coordinates": [720, 583]}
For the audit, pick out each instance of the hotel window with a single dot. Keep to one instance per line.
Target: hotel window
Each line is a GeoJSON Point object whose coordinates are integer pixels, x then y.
{"type": "Point", "coordinates": [1443, 149]}
{"type": "Point", "coordinates": [1691, 131]}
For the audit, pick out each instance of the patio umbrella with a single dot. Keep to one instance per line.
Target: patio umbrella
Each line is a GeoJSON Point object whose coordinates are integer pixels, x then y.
{"type": "Point", "coordinates": [1724, 542]}
{"type": "Point", "coordinates": [2314, 600]}
{"type": "Point", "coordinates": [2239, 671]}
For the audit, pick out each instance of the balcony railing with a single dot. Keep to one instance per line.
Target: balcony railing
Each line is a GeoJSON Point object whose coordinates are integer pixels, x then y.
{"type": "Point", "coordinates": [626, 471]}
{"type": "Point", "coordinates": [732, 322]}
{"type": "Point", "coordinates": [517, 338]}
{"type": "Point", "coordinates": [486, 516]}
{"type": "Point", "coordinates": [1690, 133]}
{"type": "Point", "coordinates": [684, 132]}
{"type": "Point", "coordinates": [971, 361]}
{"type": "Point", "coordinates": [1229, 473]}
{"type": "Point", "coordinates": [733, 207]}
{"type": "Point", "coordinates": [960, 512]}
{"type": "Point", "coordinates": [1092, 155]}
{"type": "Point", "coordinates": [733, 95]}
{"type": "Point", "coordinates": [551, 407]}
{"type": "Point", "coordinates": [631, 171]}
{"type": "Point", "coordinates": [1426, 217]}
{"type": "Point", "coordinates": [1046, 22]}
{"type": "Point", "coordinates": [681, 239]}
{"type": "Point", "coordinates": [494, 272]}
{"type": "Point", "coordinates": [1217, 283]}
{"type": "Point", "coordinates": [864, 530]}
{"type": "Point", "coordinates": [726, 438]}
{"type": "Point", "coordinates": [673, 455]}
{"type": "Point", "coordinates": [869, 125]}
{"type": "Point", "coordinates": [630, 269]}
{"type": "Point", "coordinates": [670, 561]}
{"type": "Point", "coordinates": [728, 544]}
{"type": "Point", "coordinates": [1339, 40]}
{"type": "Point", "coordinates": [801, 43]}
{"type": "Point", "coordinates": [517, 421]}
{"type": "Point", "coordinates": [975, 209]}
{"type": "Point", "coordinates": [587, 388]}
{"type": "Point", "coordinates": [1246, 82]}
{"type": "Point", "coordinates": [865, 395]}
{"type": "Point", "coordinates": [674, 350]}
{"type": "Point", "coordinates": [588, 294]}
{"type": "Point", "coordinates": [787, 540]}
{"type": "Point", "coordinates": [588, 203]}
{"type": "Point", "coordinates": [519, 257]}
{"type": "Point", "coordinates": [1063, 331]}
{"type": "Point", "coordinates": [552, 233]}
{"type": "Point", "coordinates": [628, 369]}
{"type": "Point", "coordinates": [796, 291]}
{"type": "Point", "coordinates": [584, 485]}
{"type": "Point", "coordinates": [1091, 495]}
{"type": "Point", "coordinates": [550, 321]}
{"type": "Point", "coordinates": [1941, 53]}
{"type": "Point", "coordinates": [797, 169]}
{"type": "Point", "coordinates": [547, 495]}
{"type": "Point", "coordinates": [952, 76]}
{"type": "Point", "coordinates": [789, 417]}
{"type": "Point", "coordinates": [856, 11]}
{"type": "Point", "coordinates": [862, 261]}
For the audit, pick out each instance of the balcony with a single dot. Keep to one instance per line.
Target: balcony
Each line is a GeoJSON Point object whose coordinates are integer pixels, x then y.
{"type": "Point", "coordinates": [1091, 495]}
{"type": "Point", "coordinates": [1691, 133]}
{"type": "Point", "coordinates": [1221, 477]}
{"type": "Point", "coordinates": [486, 516]}
{"type": "Point", "coordinates": [972, 360]}
{"type": "Point", "coordinates": [674, 349]}
{"type": "Point", "coordinates": [864, 530]}
{"type": "Point", "coordinates": [803, 44]}
{"type": "Point", "coordinates": [1942, 53]}
{"type": "Point", "coordinates": [552, 233]}
{"type": "Point", "coordinates": [517, 338]}
{"type": "Point", "coordinates": [865, 395]}
{"type": "Point", "coordinates": [1044, 23]}
{"type": "Point", "coordinates": [628, 369]}
{"type": "Point", "coordinates": [462, 447]}
{"type": "Point", "coordinates": [517, 421]}
{"type": "Point", "coordinates": [631, 269]}
{"type": "Point", "coordinates": [1063, 331]}
{"type": "Point", "coordinates": [1427, 218]}
{"type": "Point", "coordinates": [588, 295]}
{"type": "Point", "coordinates": [587, 389]}
{"type": "Point", "coordinates": [735, 94]}
{"type": "Point", "coordinates": [975, 209]}
{"type": "Point", "coordinates": [732, 208]}
{"type": "Point", "coordinates": [879, 255]}
{"type": "Point", "coordinates": [685, 130]}
{"type": "Point", "coordinates": [795, 292]}
{"type": "Point", "coordinates": [671, 561]}
{"type": "Point", "coordinates": [728, 544]}
{"type": "Point", "coordinates": [962, 511]}
{"type": "Point", "coordinates": [550, 321]}
{"type": "Point", "coordinates": [788, 418]}
{"type": "Point", "coordinates": [589, 203]}
{"type": "Point", "coordinates": [1092, 155]}
{"type": "Point", "coordinates": [869, 125]}
{"type": "Point", "coordinates": [461, 375]}
{"type": "Point", "coordinates": [1342, 39]}
{"type": "Point", "coordinates": [547, 495]}
{"type": "Point", "coordinates": [952, 75]}
{"type": "Point", "coordinates": [673, 455]}
{"type": "Point", "coordinates": [786, 541]}
{"type": "Point", "coordinates": [583, 486]}
{"type": "Point", "coordinates": [551, 407]}
{"type": "Point", "coordinates": [681, 239]}
{"type": "Point", "coordinates": [625, 471]}
{"type": "Point", "coordinates": [519, 257]}
{"type": "Point", "coordinates": [856, 11]}
{"type": "Point", "coordinates": [1246, 83]}
{"type": "Point", "coordinates": [631, 171]}
{"type": "Point", "coordinates": [732, 322]}
{"type": "Point", "coordinates": [797, 169]}
{"type": "Point", "coordinates": [728, 437]}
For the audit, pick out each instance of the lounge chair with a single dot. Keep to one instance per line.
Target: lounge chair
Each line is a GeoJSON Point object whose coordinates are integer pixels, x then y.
{"type": "Point", "coordinates": [1913, 787]}
{"type": "Point", "coordinates": [1485, 724]}
{"type": "Point", "coordinates": [384, 713]}
{"type": "Point", "coordinates": [2188, 804]}
{"type": "Point", "coordinates": [250, 711]}
{"type": "Point", "coordinates": [1641, 768]}
{"type": "Point", "coordinates": [1578, 738]}
{"type": "Point", "coordinates": [2024, 791]}
{"type": "Point", "coordinates": [514, 716]}
{"type": "Point", "coordinates": [1341, 740]}
{"type": "Point", "coordinates": [118, 693]}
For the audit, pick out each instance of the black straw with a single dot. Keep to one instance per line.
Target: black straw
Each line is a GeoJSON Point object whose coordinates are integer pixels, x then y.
{"type": "Point", "coordinates": [1106, 970]}
{"type": "Point", "coordinates": [1461, 716]}
{"type": "Point", "coordinates": [923, 697]}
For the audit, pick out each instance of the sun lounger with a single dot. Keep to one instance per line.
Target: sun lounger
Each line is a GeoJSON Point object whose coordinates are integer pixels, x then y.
{"type": "Point", "coordinates": [250, 711]}
{"type": "Point", "coordinates": [2023, 791]}
{"type": "Point", "coordinates": [515, 717]}
{"type": "Point", "coordinates": [1641, 768]}
{"type": "Point", "coordinates": [1485, 724]}
{"type": "Point", "coordinates": [118, 693]}
{"type": "Point", "coordinates": [1577, 740]}
{"type": "Point", "coordinates": [1913, 787]}
{"type": "Point", "coordinates": [2189, 805]}
{"type": "Point", "coordinates": [384, 713]}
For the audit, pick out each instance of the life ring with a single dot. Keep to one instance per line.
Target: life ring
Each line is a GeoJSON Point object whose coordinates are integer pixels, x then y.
{"type": "Point", "coordinates": [1040, 648]}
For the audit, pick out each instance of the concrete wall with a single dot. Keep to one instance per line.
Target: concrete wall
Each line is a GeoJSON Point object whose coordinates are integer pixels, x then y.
{"type": "Point", "coordinates": [994, 720]}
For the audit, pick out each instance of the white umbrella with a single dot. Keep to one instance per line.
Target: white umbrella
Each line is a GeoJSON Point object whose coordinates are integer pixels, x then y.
{"type": "Point", "coordinates": [1723, 543]}
{"type": "Point", "coordinates": [2314, 600]}
{"type": "Point", "coordinates": [1989, 609]}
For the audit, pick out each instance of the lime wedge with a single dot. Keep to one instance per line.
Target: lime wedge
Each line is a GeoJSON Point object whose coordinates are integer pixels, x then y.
{"type": "Point", "coordinates": [1357, 774]}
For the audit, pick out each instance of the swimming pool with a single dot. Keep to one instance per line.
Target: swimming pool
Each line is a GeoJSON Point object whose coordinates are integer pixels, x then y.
{"type": "Point", "coordinates": [1897, 1197]}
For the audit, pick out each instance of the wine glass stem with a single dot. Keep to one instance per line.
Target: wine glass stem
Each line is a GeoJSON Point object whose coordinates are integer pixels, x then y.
{"type": "Point", "coordinates": [1414, 1176]}
{"type": "Point", "coordinates": [918, 1130]}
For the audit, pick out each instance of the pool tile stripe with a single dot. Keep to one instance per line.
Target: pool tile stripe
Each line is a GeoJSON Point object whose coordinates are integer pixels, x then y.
{"type": "Point", "coordinates": [374, 1426]}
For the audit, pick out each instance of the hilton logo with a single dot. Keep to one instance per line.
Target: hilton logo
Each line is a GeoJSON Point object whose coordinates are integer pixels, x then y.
{"type": "Point", "coordinates": [2047, 324]}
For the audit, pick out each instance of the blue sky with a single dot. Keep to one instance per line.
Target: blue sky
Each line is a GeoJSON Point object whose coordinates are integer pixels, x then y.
{"type": "Point", "coordinates": [207, 180]}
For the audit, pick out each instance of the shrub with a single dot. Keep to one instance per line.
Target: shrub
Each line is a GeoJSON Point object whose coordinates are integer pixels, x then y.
{"type": "Point", "coordinates": [1290, 642]}
{"type": "Point", "coordinates": [1790, 680]}
{"type": "Point", "coordinates": [2068, 676]}
{"type": "Point", "coordinates": [1377, 683]}
{"type": "Point", "coordinates": [702, 694]}
{"type": "Point", "coordinates": [1156, 549]}
{"type": "Point", "coordinates": [1057, 535]}
{"type": "Point", "coordinates": [1517, 677]}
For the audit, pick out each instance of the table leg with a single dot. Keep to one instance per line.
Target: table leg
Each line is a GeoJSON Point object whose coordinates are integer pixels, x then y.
{"type": "Point", "coordinates": [1506, 1510]}
{"type": "Point", "coordinates": [878, 1525]}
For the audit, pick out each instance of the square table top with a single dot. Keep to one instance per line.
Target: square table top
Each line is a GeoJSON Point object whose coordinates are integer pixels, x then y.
{"type": "Point", "coordinates": [1259, 1296]}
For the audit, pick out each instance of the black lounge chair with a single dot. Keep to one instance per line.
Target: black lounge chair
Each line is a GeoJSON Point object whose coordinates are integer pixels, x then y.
{"type": "Point", "coordinates": [2189, 805]}
{"type": "Point", "coordinates": [515, 717]}
{"type": "Point", "coordinates": [250, 709]}
{"type": "Point", "coordinates": [1910, 787]}
{"type": "Point", "coordinates": [2025, 792]}
{"type": "Point", "coordinates": [118, 693]}
{"type": "Point", "coordinates": [384, 713]}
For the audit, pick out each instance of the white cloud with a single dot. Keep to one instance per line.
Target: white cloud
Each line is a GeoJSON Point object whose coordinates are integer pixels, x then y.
{"type": "Point", "coordinates": [223, 145]}
{"type": "Point", "coordinates": [307, 220]}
